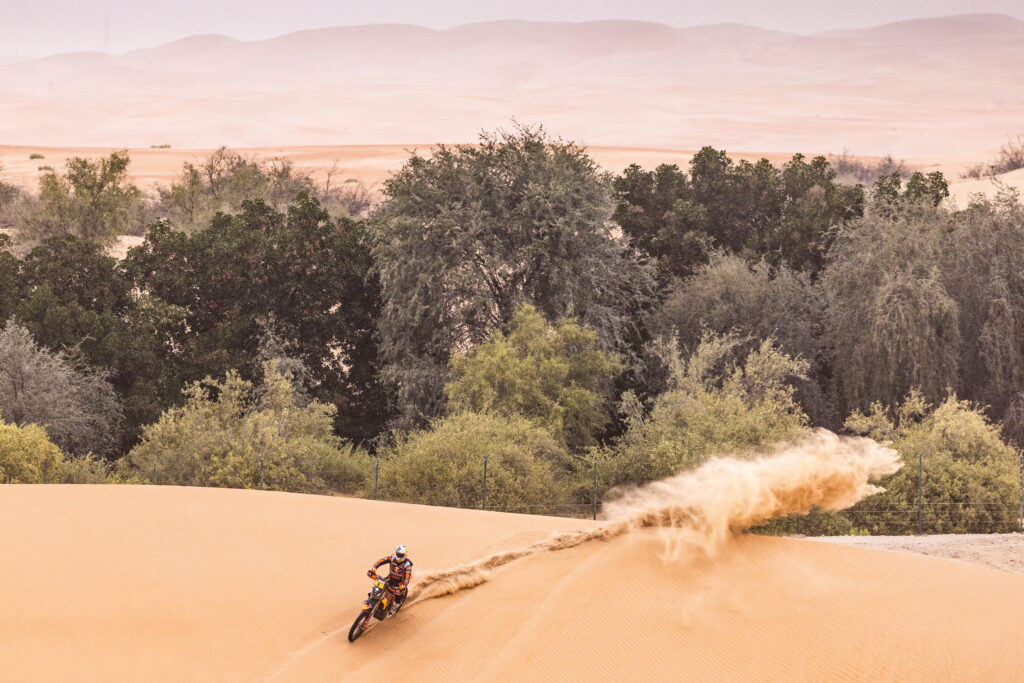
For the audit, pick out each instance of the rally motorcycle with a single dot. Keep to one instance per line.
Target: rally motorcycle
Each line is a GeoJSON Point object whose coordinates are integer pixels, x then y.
{"type": "Point", "coordinates": [376, 607]}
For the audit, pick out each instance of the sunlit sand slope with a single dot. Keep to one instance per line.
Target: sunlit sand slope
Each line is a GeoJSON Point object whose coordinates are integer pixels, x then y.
{"type": "Point", "coordinates": [165, 583]}
{"type": "Point", "coordinates": [162, 583]}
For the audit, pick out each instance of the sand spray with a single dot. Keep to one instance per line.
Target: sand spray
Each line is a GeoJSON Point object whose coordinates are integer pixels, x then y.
{"type": "Point", "coordinates": [703, 508]}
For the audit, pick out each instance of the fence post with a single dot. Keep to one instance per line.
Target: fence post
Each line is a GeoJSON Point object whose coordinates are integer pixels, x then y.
{"type": "Point", "coordinates": [45, 471]}
{"type": "Point", "coordinates": [154, 469]}
{"type": "Point", "coordinates": [1021, 456]}
{"type": "Point", "coordinates": [262, 487]}
{"type": "Point", "coordinates": [920, 491]}
{"type": "Point", "coordinates": [485, 482]}
{"type": "Point", "coordinates": [376, 476]}
{"type": "Point", "coordinates": [595, 489]}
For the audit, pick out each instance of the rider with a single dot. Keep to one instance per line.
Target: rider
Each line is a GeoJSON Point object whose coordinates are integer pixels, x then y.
{"type": "Point", "coordinates": [399, 574]}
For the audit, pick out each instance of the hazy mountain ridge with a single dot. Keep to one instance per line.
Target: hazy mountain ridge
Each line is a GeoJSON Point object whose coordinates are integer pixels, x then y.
{"type": "Point", "coordinates": [605, 82]}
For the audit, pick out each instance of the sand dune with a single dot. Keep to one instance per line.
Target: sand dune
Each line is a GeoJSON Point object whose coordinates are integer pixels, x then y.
{"type": "Point", "coordinates": [166, 583]}
{"type": "Point", "coordinates": [916, 88]}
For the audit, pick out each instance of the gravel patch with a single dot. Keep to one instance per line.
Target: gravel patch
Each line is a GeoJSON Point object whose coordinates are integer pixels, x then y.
{"type": "Point", "coordinates": [998, 551]}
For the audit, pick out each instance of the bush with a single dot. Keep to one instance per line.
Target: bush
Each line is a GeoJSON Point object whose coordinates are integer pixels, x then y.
{"type": "Point", "coordinates": [714, 404]}
{"type": "Point", "coordinates": [850, 168]}
{"type": "Point", "coordinates": [969, 472]}
{"type": "Point", "coordinates": [23, 452]}
{"type": "Point", "coordinates": [1009, 158]}
{"type": "Point", "coordinates": [36, 155]}
{"type": "Point", "coordinates": [444, 465]}
{"type": "Point", "coordinates": [86, 470]}
{"type": "Point", "coordinates": [557, 375]}
{"type": "Point", "coordinates": [232, 434]}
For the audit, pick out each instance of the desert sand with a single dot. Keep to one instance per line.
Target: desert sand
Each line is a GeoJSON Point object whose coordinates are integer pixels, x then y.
{"type": "Point", "coordinates": [167, 583]}
{"type": "Point", "coordinates": [913, 89]}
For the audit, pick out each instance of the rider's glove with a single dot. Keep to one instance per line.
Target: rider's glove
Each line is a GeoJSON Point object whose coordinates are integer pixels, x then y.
{"type": "Point", "coordinates": [372, 574]}
{"type": "Point", "coordinates": [401, 589]}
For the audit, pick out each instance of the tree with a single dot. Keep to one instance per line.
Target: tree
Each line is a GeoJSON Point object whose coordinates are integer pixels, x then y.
{"type": "Point", "coordinates": [891, 322]}
{"type": "Point", "coordinates": [784, 216]}
{"type": "Point", "coordinates": [931, 188]}
{"type": "Point", "coordinates": [756, 303]}
{"type": "Point", "coordinates": [814, 205]}
{"type": "Point", "coordinates": [981, 268]}
{"type": "Point", "coordinates": [654, 210]}
{"type": "Point", "coordinates": [76, 405]}
{"type": "Point", "coordinates": [9, 196]}
{"type": "Point", "coordinates": [10, 278]}
{"type": "Point", "coordinates": [469, 234]}
{"type": "Point", "coordinates": [77, 299]}
{"type": "Point", "coordinates": [230, 433]}
{"type": "Point", "coordinates": [558, 376]}
{"type": "Point", "coordinates": [301, 274]}
{"type": "Point", "coordinates": [444, 465]}
{"type": "Point", "coordinates": [715, 403]}
{"type": "Point", "coordinates": [91, 200]}
{"type": "Point", "coordinates": [223, 182]}
{"type": "Point", "coordinates": [79, 271]}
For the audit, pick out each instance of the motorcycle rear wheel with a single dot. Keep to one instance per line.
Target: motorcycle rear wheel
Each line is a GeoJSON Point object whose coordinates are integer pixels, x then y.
{"type": "Point", "coordinates": [357, 626]}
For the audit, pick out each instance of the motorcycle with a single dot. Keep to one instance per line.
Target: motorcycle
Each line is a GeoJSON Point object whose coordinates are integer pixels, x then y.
{"type": "Point", "coordinates": [376, 607]}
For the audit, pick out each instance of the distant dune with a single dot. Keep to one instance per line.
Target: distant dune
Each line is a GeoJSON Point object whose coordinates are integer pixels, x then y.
{"type": "Point", "coordinates": [918, 88]}
{"type": "Point", "coordinates": [171, 584]}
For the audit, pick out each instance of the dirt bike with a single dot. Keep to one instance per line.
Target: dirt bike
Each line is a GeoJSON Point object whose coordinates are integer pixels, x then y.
{"type": "Point", "coordinates": [376, 607]}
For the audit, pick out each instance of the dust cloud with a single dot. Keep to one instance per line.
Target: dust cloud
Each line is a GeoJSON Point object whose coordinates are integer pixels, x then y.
{"type": "Point", "coordinates": [701, 509]}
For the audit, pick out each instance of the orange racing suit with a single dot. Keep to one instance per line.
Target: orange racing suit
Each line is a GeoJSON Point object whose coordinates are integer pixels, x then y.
{"type": "Point", "coordinates": [399, 573]}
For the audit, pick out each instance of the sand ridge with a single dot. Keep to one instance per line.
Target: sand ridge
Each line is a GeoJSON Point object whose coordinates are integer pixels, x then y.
{"type": "Point", "coordinates": [173, 583]}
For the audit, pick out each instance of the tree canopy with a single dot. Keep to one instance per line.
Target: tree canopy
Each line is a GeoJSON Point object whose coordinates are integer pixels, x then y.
{"type": "Point", "coordinates": [557, 375]}
{"type": "Point", "coordinates": [468, 234]}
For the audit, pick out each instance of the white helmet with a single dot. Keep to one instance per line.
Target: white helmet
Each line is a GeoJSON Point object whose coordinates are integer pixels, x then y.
{"type": "Point", "coordinates": [400, 552]}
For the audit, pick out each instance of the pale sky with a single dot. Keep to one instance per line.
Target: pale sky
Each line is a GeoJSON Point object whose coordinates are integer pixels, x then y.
{"type": "Point", "coordinates": [42, 27]}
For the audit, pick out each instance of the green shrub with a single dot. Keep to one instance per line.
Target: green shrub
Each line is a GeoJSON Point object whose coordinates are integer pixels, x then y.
{"type": "Point", "coordinates": [24, 454]}
{"type": "Point", "coordinates": [232, 434]}
{"type": "Point", "coordinates": [444, 465]}
{"type": "Point", "coordinates": [36, 155]}
{"type": "Point", "coordinates": [557, 375]}
{"type": "Point", "coordinates": [970, 481]}
{"type": "Point", "coordinates": [715, 404]}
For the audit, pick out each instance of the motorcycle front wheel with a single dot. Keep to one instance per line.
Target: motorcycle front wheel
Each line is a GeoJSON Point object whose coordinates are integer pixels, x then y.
{"type": "Point", "coordinates": [357, 626]}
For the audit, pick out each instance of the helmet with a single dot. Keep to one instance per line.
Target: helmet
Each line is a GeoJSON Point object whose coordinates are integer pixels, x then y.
{"type": "Point", "coordinates": [400, 552]}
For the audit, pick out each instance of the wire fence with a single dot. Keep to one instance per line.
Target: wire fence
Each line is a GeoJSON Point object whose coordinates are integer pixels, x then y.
{"type": "Point", "coordinates": [870, 517]}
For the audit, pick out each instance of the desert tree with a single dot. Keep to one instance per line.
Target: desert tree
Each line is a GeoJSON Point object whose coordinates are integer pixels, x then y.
{"type": "Point", "coordinates": [470, 233]}
{"type": "Point", "coordinates": [982, 270]}
{"type": "Point", "coordinates": [301, 275]}
{"type": "Point", "coordinates": [892, 325]}
{"type": "Point", "coordinates": [92, 199]}
{"type": "Point", "coordinates": [76, 404]}
{"type": "Point", "coordinates": [755, 302]}
{"type": "Point", "coordinates": [784, 215]}
{"type": "Point", "coordinates": [10, 278]}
